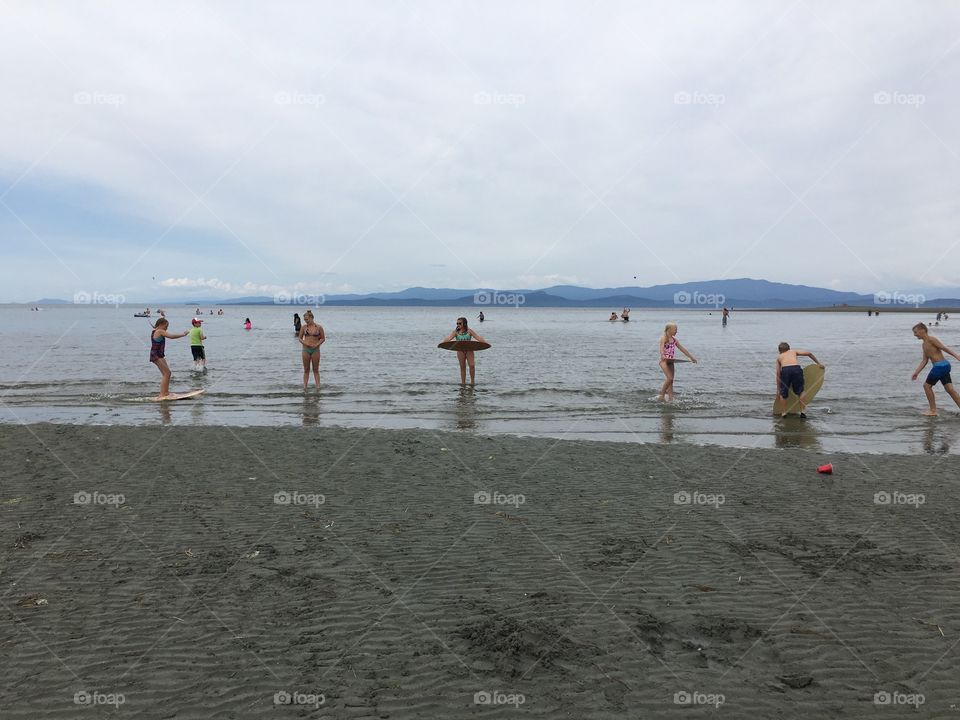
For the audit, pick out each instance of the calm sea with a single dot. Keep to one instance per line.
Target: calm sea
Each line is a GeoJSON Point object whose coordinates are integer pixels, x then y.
{"type": "Point", "coordinates": [552, 372]}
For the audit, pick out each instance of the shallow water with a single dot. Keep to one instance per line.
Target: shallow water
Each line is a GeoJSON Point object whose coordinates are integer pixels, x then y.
{"type": "Point", "coordinates": [554, 372]}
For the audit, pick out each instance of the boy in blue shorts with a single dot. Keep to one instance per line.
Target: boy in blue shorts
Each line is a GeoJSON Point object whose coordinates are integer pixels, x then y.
{"type": "Point", "coordinates": [790, 376]}
{"type": "Point", "coordinates": [933, 351]}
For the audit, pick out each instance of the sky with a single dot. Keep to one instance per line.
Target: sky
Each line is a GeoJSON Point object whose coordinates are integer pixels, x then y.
{"type": "Point", "coordinates": [219, 149]}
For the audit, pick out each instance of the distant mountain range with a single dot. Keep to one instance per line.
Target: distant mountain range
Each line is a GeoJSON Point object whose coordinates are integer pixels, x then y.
{"type": "Point", "coordinates": [743, 293]}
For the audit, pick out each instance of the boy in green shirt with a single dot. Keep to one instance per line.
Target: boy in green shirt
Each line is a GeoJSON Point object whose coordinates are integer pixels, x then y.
{"type": "Point", "coordinates": [196, 345]}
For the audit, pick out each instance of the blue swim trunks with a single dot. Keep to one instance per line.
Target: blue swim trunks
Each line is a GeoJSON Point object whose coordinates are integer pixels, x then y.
{"type": "Point", "coordinates": [791, 378]}
{"type": "Point", "coordinates": [939, 373]}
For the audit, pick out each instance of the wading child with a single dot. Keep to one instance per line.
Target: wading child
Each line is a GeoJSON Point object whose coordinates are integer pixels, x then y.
{"type": "Point", "coordinates": [668, 351]}
{"type": "Point", "coordinates": [196, 345]}
{"type": "Point", "coordinates": [789, 376]}
{"type": "Point", "coordinates": [933, 351]}
{"type": "Point", "coordinates": [465, 357]}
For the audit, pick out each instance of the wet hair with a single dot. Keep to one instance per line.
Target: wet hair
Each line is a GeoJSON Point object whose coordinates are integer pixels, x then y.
{"type": "Point", "coordinates": [783, 347]}
{"type": "Point", "coordinates": [464, 321]}
{"type": "Point", "coordinates": [162, 322]}
{"type": "Point", "coordinates": [308, 316]}
{"type": "Point", "coordinates": [920, 326]}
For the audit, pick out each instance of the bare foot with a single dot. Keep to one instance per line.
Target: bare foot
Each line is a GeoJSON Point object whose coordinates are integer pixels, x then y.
{"type": "Point", "coordinates": [930, 413]}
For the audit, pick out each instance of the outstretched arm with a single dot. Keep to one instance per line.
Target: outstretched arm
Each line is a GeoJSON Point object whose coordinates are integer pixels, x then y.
{"type": "Point", "coordinates": [684, 351]}
{"type": "Point", "coordinates": [174, 336]}
{"type": "Point", "coordinates": [944, 348]}
{"type": "Point", "coordinates": [807, 353]}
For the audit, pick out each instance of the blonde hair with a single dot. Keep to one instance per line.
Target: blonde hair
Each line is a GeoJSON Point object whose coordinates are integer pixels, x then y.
{"type": "Point", "coordinates": [308, 316]}
{"type": "Point", "coordinates": [161, 323]}
{"type": "Point", "coordinates": [666, 328]}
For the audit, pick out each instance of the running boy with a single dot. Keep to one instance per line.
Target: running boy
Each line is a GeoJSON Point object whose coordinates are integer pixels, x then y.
{"type": "Point", "coordinates": [933, 351]}
{"type": "Point", "coordinates": [790, 376]}
{"type": "Point", "coordinates": [196, 345]}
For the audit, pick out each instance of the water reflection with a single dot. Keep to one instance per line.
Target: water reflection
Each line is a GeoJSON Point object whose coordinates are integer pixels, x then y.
{"type": "Point", "coordinates": [936, 438]}
{"type": "Point", "coordinates": [466, 408]}
{"type": "Point", "coordinates": [164, 409]}
{"type": "Point", "coordinates": [666, 427]}
{"type": "Point", "coordinates": [311, 409]}
{"type": "Point", "coordinates": [795, 432]}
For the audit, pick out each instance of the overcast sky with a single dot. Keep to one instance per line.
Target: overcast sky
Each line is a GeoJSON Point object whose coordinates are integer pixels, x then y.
{"type": "Point", "coordinates": [231, 148]}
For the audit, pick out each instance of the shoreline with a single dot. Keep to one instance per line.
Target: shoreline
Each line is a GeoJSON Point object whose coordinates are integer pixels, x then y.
{"type": "Point", "coordinates": [600, 579]}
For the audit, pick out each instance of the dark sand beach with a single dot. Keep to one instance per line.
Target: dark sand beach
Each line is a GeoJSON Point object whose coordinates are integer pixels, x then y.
{"type": "Point", "coordinates": [603, 594]}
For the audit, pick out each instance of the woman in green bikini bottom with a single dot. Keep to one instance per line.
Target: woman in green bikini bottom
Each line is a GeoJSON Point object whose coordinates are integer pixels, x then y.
{"type": "Point", "coordinates": [311, 337]}
{"type": "Point", "coordinates": [465, 357]}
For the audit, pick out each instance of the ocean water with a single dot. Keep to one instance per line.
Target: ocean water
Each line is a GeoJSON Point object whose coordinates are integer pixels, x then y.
{"type": "Point", "coordinates": [565, 373]}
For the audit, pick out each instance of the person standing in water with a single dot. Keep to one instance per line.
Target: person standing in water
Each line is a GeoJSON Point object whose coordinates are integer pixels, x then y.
{"type": "Point", "coordinates": [465, 357]}
{"type": "Point", "coordinates": [790, 376]}
{"type": "Point", "coordinates": [196, 345]}
{"type": "Point", "coordinates": [668, 348]}
{"type": "Point", "coordinates": [613, 317]}
{"type": "Point", "coordinates": [726, 314]}
{"type": "Point", "coordinates": [625, 315]}
{"type": "Point", "coordinates": [311, 338]}
{"type": "Point", "coordinates": [480, 316]}
{"type": "Point", "coordinates": [296, 324]}
{"type": "Point", "coordinates": [933, 351]}
{"type": "Point", "coordinates": [247, 325]}
{"type": "Point", "coordinates": [158, 342]}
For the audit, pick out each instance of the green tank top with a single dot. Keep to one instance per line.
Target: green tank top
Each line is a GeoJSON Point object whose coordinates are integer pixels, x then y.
{"type": "Point", "coordinates": [195, 334]}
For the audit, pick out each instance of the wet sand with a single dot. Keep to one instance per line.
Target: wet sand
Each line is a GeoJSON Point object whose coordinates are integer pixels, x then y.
{"type": "Point", "coordinates": [160, 567]}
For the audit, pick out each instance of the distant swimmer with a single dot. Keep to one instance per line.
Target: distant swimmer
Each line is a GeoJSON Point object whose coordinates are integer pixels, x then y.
{"type": "Point", "coordinates": [613, 316]}
{"type": "Point", "coordinates": [296, 324]}
{"type": "Point", "coordinates": [311, 338]}
{"type": "Point", "coordinates": [196, 345]}
{"type": "Point", "coordinates": [158, 342]}
{"type": "Point", "coordinates": [726, 314]}
{"type": "Point", "coordinates": [465, 357]}
{"type": "Point", "coordinates": [668, 350]}
{"type": "Point", "coordinates": [480, 316]}
{"type": "Point", "coordinates": [789, 376]}
{"type": "Point", "coordinates": [247, 325]}
{"type": "Point", "coordinates": [933, 351]}
{"type": "Point", "coordinates": [625, 315]}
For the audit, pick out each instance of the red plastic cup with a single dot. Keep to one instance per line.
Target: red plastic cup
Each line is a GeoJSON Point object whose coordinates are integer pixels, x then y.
{"type": "Point", "coordinates": [826, 469]}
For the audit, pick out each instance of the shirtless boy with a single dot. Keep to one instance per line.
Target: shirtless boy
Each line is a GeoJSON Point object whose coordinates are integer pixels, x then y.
{"type": "Point", "coordinates": [933, 351]}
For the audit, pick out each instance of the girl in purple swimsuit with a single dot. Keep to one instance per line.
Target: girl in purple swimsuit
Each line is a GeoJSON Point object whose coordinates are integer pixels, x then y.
{"type": "Point", "coordinates": [668, 349]}
{"type": "Point", "coordinates": [158, 342]}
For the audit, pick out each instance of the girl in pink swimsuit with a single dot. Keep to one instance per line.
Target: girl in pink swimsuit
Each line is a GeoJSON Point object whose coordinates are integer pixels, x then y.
{"type": "Point", "coordinates": [668, 351]}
